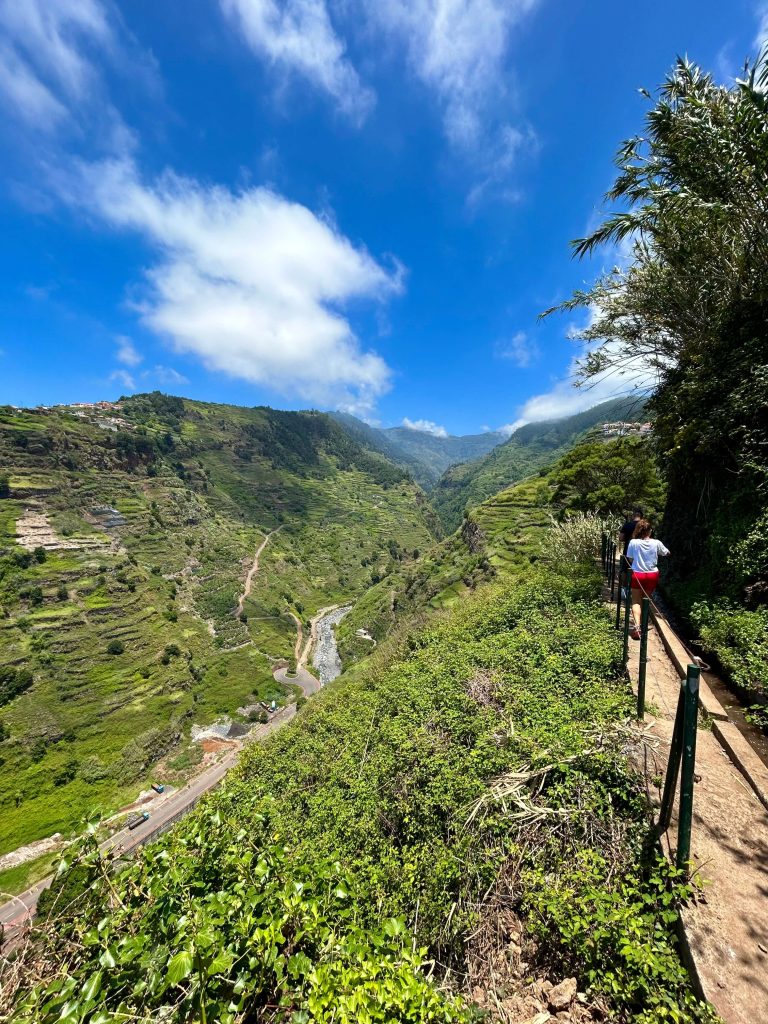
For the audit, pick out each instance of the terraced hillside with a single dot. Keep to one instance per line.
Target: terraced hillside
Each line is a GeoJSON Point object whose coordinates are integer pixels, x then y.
{"type": "Point", "coordinates": [500, 535]}
{"type": "Point", "coordinates": [529, 448]}
{"type": "Point", "coordinates": [125, 544]}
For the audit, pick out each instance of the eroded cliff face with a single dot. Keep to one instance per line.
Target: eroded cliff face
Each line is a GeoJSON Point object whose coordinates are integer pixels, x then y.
{"type": "Point", "coordinates": [472, 535]}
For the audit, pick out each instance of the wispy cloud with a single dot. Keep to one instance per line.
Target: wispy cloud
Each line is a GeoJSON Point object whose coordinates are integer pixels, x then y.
{"type": "Point", "coordinates": [298, 36]}
{"type": "Point", "coordinates": [520, 350]}
{"type": "Point", "coordinates": [53, 56]}
{"type": "Point", "coordinates": [166, 375]}
{"type": "Point", "coordinates": [425, 426]}
{"type": "Point", "coordinates": [252, 284]}
{"type": "Point", "coordinates": [459, 49]}
{"type": "Point", "coordinates": [564, 398]}
{"type": "Point", "coordinates": [127, 354]}
{"type": "Point", "coordinates": [123, 377]}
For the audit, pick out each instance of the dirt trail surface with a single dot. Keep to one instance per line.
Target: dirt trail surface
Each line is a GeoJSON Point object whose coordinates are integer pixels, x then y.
{"type": "Point", "coordinates": [16, 914]}
{"type": "Point", "coordinates": [299, 638]}
{"type": "Point", "coordinates": [253, 570]}
{"type": "Point", "coordinates": [727, 928]}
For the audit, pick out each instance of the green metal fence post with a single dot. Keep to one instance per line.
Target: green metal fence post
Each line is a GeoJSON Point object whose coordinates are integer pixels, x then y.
{"type": "Point", "coordinates": [603, 549]}
{"type": "Point", "coordinates": [622, 582]}
{"type": "Point", "coordinates": [690, 721]}
{"type": "Point", "coordinates": [646, 608]}
{"type": "Point", "coordinates": [673, 764]}
{"type": "Point", "coordinates": [627, 609]}
{"type": "Point", "coordinates": [612, 566]}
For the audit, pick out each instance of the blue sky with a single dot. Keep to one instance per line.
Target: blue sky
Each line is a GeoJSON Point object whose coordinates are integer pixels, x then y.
{"type": "Point", "coordinates": [322, 203]}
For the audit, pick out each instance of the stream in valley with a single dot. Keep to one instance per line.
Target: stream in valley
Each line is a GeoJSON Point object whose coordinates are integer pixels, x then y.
{"type": "Point", "coordinates": [325, 657]}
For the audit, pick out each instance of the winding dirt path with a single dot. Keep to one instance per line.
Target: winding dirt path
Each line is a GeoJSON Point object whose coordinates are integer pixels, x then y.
{"type": "Point", "coordinates": [299, 639]}
{"type": "Point", "coordinates": [253, 570]}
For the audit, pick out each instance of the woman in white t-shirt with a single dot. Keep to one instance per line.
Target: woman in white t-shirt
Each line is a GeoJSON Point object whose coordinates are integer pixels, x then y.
{"type": "Point", "coordinates": [643, 555]}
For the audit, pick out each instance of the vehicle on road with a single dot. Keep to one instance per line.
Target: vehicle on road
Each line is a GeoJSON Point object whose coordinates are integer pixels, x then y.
{"type": "Point", "coordinates": [138, 820]}
{"type": "Point", "coordinates": [158, 787]}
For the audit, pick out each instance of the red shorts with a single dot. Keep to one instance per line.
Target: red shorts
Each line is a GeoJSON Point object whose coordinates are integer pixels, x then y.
{"type": "Point", "coordinates": [645, 581]}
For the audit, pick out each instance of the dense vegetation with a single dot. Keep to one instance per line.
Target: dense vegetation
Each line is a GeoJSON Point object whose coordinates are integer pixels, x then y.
{"type": "Point", "coordinates": [692, 306]}
{"type": "Point", "coordinates": [364, 845]}
{"type": "Point", "coordinates": [530, 448]}
{"type": "Point", "coordinates": [119, 631]}
{"type": "Point", "coordinates": [505, 533]}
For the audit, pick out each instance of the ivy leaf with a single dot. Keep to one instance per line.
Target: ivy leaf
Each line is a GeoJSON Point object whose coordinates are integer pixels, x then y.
{"type": "Point", "coordinates": [179, 968]}
{"type": "Point", "coordinates": [92, 986]}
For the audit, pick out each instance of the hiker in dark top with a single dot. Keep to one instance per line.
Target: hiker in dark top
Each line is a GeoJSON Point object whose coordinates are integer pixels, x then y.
{"type": "Point", "coordinates": [627, 532]}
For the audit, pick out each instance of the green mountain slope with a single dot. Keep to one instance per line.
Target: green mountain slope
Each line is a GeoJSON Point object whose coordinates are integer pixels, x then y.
{"type": "Point", "coordinates": [469, 796]}
{"type": "Point", "coordinates": [125, 623]}
{"type": "Point", "coordinates": [425, 455]}
{"type": "Point", "coordinates": [527, 450]}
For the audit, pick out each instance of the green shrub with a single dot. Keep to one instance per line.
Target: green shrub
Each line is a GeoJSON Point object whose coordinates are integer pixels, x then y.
{"type": "Point", "coordinates": [389, 775]}
{"type": "Point", "coordinates": [614, 931]}
{"type": "Point", "coordinates": [739, 638]}
{"type": "Point", "coordinates": [13, 681]}
{"type": "Point", "coordinates": [40, 554]}
{"type": "Point", "coordinates": [62, 594]}
{"type": "Point", "coordinates": [115, 647]}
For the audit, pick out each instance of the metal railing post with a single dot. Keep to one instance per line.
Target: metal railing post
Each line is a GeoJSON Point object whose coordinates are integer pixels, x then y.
{"type": "Point", "coordinates": [673, 764]}
{"type": "Point", "coordinates": [690, 721]}
{"type": "Point", "coordinates": [603, 549]}
{"type": "Point", "coordinates": [646, 608]}
{"type": "Point", "coordinates": [627, 609]}
{"type": "Point", "coordinates": [621, 579]}
{"type": "Point", "coordinates": [612, 566]}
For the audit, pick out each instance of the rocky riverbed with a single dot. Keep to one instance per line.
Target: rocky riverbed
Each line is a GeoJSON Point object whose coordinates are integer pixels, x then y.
{"type": "Point", "coordinates": [325, 657]}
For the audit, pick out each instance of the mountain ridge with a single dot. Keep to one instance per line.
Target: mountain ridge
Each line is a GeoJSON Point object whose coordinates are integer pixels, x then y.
{"type": "Point", "coordinates": [527, 450]}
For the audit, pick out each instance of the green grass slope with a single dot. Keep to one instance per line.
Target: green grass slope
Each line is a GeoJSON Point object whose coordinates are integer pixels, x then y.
{"type": "Point", "coordinates": [500, 536]}
{"type": "Point", "coordinates": [123, 633]}
{"type": "Point", "coordinates": [528, 449]}
{"type": "Point", "coordinates": [466, 797]}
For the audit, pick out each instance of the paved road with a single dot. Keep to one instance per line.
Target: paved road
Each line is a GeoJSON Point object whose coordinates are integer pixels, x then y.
{"type": "Point", "coordinates": [20, 909]}
{"type": "Point", "coordinates": [15, 914]}
{"type": "Point", "coordinates": [303, 678]}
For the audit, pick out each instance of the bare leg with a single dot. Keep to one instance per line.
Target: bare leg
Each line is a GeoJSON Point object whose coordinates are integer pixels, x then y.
{"type": "Point", "coordinates": [637, 598]}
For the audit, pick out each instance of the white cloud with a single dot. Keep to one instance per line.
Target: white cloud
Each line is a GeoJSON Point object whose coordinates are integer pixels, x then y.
{"type": "Point", "coordinates": [127, 353]}
{"type": "Point", "coordinates": [124, 378]}
{"type": "Point", "coordinates": [565, 399]}
{"type": "Point", "coordinates": [252, 284]}
{"type": "Point", "coordinates": [166, 375]}
{"type": "Point", "coordinates": [42, 66]}
{"type": "Point", "coordinates": [459, 49]}
{"type": "Point", "coordinates": [426, 426]}
{"type": "Point", "coordinates": [298, 35]}
{"type": "Point", "coordinates": [520, 350]}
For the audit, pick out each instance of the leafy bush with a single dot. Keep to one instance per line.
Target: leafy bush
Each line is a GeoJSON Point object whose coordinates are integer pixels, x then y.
{"type": "Point", "coordinates": [115, 647]}
{"type": "Point", "coordinates": [40, 554]}
{"type": "Point", "coordinates": [739, 638]}
{"type": "Point", "coordinates": [93, 770]}
{"type": "Point", "coordinates": [13, 681]}
{"type": "Point", "coordinates": [244, 905]}
{"type": "Point", "coordinates": [616, 932]}
{"type": "Point", "coordinates": [576, 538]}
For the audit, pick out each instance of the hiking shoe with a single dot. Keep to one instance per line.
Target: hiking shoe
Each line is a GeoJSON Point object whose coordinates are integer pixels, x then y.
{"type": "Point", "coordinates": [635, 634]}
